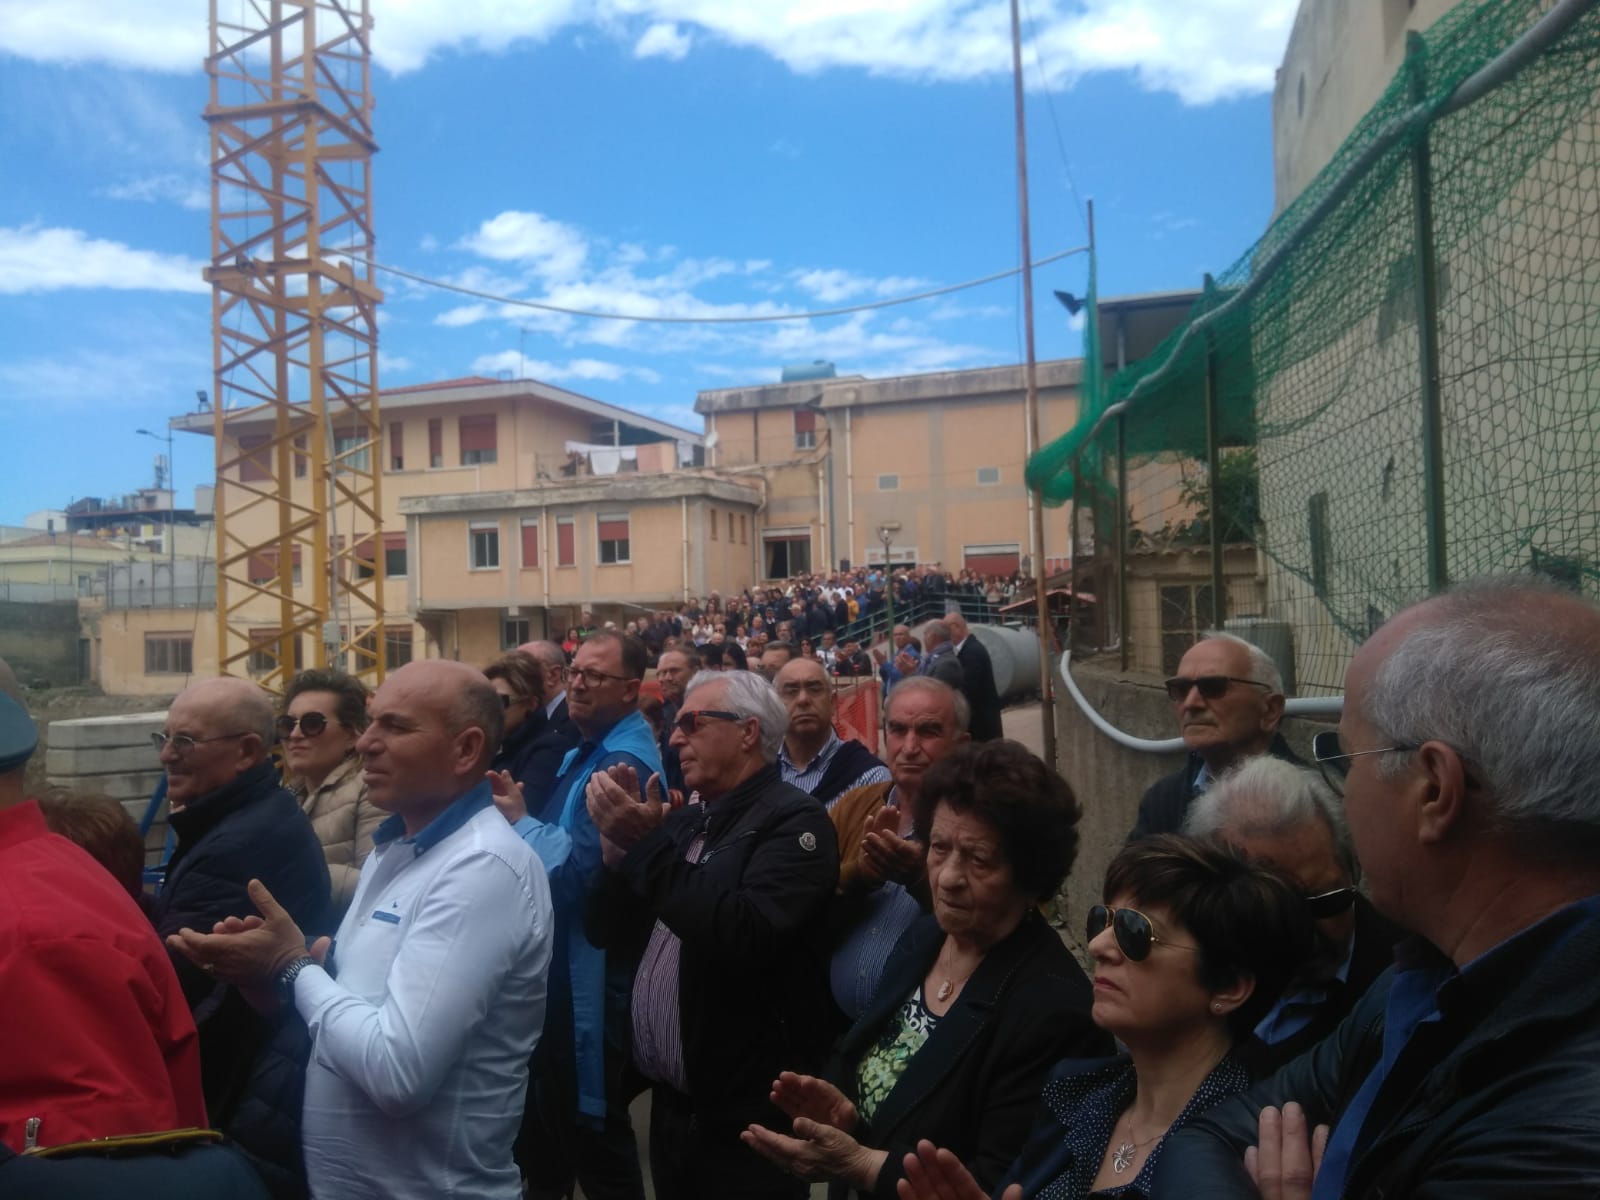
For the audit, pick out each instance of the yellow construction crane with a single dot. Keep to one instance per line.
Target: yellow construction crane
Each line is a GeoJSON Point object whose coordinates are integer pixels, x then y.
{"type": "Point", "coordinates": [295, 338]}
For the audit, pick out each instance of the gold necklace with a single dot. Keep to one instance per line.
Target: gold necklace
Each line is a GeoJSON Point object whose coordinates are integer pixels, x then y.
{"type": "Point", "coordinates": [948, 987]}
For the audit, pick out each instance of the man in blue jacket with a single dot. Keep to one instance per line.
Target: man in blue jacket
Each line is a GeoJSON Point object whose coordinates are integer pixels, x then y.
{"type": "Point", "coordinates": [577, 1124]}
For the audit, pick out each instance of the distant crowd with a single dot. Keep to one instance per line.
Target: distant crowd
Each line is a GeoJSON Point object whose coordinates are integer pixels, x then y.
{"type": "Point", "coordinates": [435, 940]}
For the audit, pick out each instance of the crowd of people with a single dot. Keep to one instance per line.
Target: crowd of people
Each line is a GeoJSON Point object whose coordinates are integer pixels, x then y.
{"type": "Point", "coordinates": [439, 944]}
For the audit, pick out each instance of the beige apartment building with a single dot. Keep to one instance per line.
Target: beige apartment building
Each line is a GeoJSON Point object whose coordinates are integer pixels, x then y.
{"type": "Point", "coordinates": [941, 455]}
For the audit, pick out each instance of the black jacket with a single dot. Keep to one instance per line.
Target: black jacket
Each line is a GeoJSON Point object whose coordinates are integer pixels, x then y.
{"type": "Point", "coordinates": [1499, 1100]}
{"type": "Point", "coordinates": [532, 752]}
{"type": "Point", "coordinates": [1370, 956]}
{"type": "Point", "coordinates": [1165, 803]}
{"type": "Point", "coordinates": [974, 1085]}
{"type": "Point", "coordinates": [752, 974]}
{"type": "Point", "coordinates": [252, 1071]}
{"type": "Point", "coordinates": [978, 686]}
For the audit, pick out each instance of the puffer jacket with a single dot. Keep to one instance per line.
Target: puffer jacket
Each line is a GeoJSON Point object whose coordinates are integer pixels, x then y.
{"type": "Point", "coordinates": [1497, 1100]}
{"type": "Point", "coordinates": [344, 823]}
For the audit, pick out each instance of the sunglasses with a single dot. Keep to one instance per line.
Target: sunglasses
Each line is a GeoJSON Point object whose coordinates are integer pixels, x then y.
{"type": "Point", "coordinates": [695, 720]}
{"type": "Point", "coordinates": [1132, 929]}
{"type": "Point", "coordinates": [1330, 903]}
{"type": "Point", "coordinates": [1210, 687]}
{"type": "Point", "coordinates": [311, 724]}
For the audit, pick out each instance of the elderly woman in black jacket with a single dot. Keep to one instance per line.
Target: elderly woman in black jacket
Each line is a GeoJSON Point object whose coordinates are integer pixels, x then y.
{"type": "Point", "coordinates": [977, 1001]}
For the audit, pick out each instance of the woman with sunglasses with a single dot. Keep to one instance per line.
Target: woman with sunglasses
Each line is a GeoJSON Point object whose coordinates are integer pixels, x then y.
{"type": "Point", "coordinates": [977, 1000]}
{"type": "Point", "coordinates": [531, 750]}
{"type": "Point", "coordinates": [324, 712]}
{"type": "Point", "coordinates": [1191, 948]}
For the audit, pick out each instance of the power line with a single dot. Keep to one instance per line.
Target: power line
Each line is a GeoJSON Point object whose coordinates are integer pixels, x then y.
{"type": "Point", "coordinates": [1055, 121]}
{"type": "Point", "coordinates": [658, 320]}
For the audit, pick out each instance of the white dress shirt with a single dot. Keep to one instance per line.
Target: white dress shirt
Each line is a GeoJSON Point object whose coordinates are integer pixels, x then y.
{"type": "Point", "coordinates": [419, 1065]}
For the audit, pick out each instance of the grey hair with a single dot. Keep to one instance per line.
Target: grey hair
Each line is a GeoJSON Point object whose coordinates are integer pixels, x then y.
{"type": "Point", "coordinates": [1266, 796]}
{"type": "Point", "coordinates": [1262, 668]}
{"type": "Point", "coordinates": [937, 687]}
{"type": "Point", "coordinates": [256, 712]}
{"type": "Point", "coordinates": [1514, 689]}
{"type": "Point", "coordinates": [548, 653]}
{"type": "Point", "coordinates": [749, 695]}
{"type": "Point", "coordinates": [936, 632]}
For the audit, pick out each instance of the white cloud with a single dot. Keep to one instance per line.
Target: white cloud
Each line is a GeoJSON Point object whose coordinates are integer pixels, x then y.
{"type": "Point", "coordinates": [834, 286]}
{"type": "Point", "coordinates": [551, 249]}
{"type": "Point", "coordinates": [662, 40]}
{"type": "Point", "coordinates": [513, 363]}
{"type": "Point", "coordinates": [1200, 50]}
{"type": "Point", "coordinates": [428, 244]}
{"type": "Point", "coordinates": [34, 259]}
{"type": "Point", "coordinates": [393, 362]}
{"type": "Point", "coordinates": [190, 193]}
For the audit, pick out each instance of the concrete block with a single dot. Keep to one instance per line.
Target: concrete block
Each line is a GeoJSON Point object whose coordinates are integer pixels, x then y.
{"type": "Point", "coordinates": [105, 761]}
{"type": "Point", "coordinates": [130, 787]}
{"type": "Point", "coordinates": [93, 733]}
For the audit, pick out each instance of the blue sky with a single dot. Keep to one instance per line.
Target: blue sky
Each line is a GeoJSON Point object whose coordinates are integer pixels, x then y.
{"type": "Point", "coordinates": [666, 156]}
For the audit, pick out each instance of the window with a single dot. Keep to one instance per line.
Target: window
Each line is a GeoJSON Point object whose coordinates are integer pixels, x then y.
{"type": "Point", "coordinates": [264, 645]}
{"type": "Point", "coordinates": [300, 457]}
{"type": "Point", "coordinates": [988, 475]}
{"type": "Point", "coordinates": [612, 529]}
{"type": "Point", "coordinates": [514, 632]}
{"type": "Point", "coordinates": [566, 542]}
{"type": "Point", "coordinates": [436, 442]}
{"type": "Point", "coordinates": [168, 653]}
{"type": "Point", "coordinates": [483, 553]}
{"type": "Point", "coordinates": [805, 428]}
{"type": "Point", "coordinates": [888, 483]}
{"type": "Point", "coordinates": [730, 527]}
{"type": "Point", "coordinates": [394, 555]}
{"type": "Point", "coordinates": [744, 531]}
{"type": "Point", "coordinates": [352, 449]}
{"type": "Point", "coordinates": [477, 440]}
{"type": "Point", "coordinates": [713, 524]}
{"type": "Point", "coordinates": [530, 546]}
{"type": "Point", "coordinates": [787, 554]}
{"type": "Point", "coordinates": [396, 648]}
{"type": "Point", "coordinates": [397, 446]}
{"type": "Point", "coordinates": [1317, 519]}
{"type": "Point", "coordinates": [263, 567]}
{"type": "Point", "coordinates": [1185, 614]}
{"type": "Point", "coordinates": [256, 464]}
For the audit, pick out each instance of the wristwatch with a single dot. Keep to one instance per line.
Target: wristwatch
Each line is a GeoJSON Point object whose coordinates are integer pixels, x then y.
{"type": "Point", "coordinates": [287, 976]}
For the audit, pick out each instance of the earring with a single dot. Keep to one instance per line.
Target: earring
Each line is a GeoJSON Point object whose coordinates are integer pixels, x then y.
{"type": "Point", "coordinates": [1216, 1007]}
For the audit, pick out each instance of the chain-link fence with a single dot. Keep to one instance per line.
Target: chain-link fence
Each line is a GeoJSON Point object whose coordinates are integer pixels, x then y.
{"type": "Point", "coordinates": [1398, 385]}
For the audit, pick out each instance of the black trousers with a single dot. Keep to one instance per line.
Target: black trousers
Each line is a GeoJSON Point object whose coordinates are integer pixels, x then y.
{"type": "Point", "coordinates": [697, 1155]}
{"type": "Point", "coordinates": [556, 1148]}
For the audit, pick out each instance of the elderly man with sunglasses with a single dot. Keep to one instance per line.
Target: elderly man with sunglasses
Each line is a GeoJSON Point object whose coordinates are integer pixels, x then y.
{"type": "Point", "coordinates": [234, 822]}
{"type": "Point", "coordinates": [726, 898]}
{"type": "Point", "coordinates": [1468, 757]}
{"type": "Point", "coordinates": [1285, 815]}
{"type": "Point", "coordinates": [1228, 698]}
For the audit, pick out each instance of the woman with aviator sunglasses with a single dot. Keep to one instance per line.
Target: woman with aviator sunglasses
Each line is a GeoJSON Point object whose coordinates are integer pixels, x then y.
{"type": "Point", "coordinates": [324, 712]}
{"type": "Point", "coordinates": [1191, 948]}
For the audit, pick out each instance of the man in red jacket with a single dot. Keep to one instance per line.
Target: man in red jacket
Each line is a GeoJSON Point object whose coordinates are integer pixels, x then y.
{"type": "Point", "coordinates": [97, 1039]}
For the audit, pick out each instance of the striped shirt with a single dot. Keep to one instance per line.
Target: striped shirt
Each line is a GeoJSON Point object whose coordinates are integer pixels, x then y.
{"type": "Point", "coordinates": [807, 778]}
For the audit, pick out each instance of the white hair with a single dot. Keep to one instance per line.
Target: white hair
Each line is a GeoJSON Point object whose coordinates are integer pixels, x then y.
{"type": "Point", "coordinates": [1262, 668]}
{"type": "Point", "coordinates": [1268, 797]}
{"type": "Point", "coordinates": [749, 695]}
{"type": "Point", "coordinates": [1516, 693]}
{"type": "Point", "coordinates": [936, 687]}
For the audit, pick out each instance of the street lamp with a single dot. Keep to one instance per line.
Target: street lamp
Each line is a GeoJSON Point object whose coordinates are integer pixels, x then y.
{"type": "Point", "coordinates": [172, 518]}
{"type": "Point", "coordinates": [886, 532]}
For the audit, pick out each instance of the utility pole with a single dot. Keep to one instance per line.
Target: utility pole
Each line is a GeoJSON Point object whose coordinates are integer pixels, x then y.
{"type": "Point", "coordinates": [1047, 714]}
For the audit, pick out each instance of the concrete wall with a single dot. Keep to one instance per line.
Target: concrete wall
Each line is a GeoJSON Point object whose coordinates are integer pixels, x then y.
{"type": "Point", "coordinates": [111, 756]}
{"type": "Point", "coordinates": [1108, 778]}
{"type": "Point", "coordinates": [40, 641]}
{"type": "Point", "coordinates": [119, 648]}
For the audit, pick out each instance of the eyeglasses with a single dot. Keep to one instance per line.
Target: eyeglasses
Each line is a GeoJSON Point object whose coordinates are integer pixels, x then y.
{"type": "Point", "coordinates": [1210, 686]}
{"type": "Point", "coordinates": [1334, 761]}
{"type": "Point", "coordinates": [182, 743]}
{"type": "Point", "coordinates": [311, 724]}
{"type": "Point", "coordinates": [791, 691]}
{"type": "Point", "coordinates": [1330, 903]}
{"type": "Point", "coordinates": [691, 722]}
{"type": "Point", "coordinates": [1133, 930]}
{"type": "Point", "coordinates": [589, 676]}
